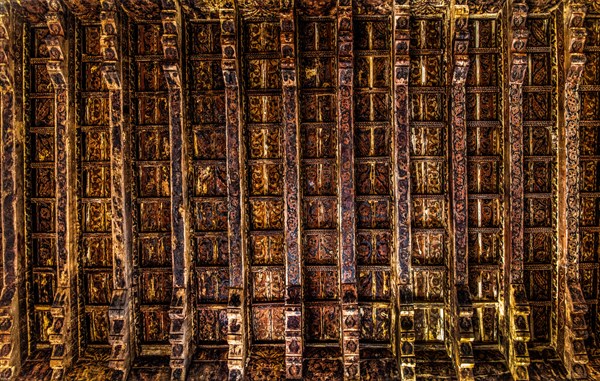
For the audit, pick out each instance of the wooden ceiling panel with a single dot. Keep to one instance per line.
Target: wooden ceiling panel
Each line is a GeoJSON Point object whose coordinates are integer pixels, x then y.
{"type": "Point", "coordinates": [269, 189]}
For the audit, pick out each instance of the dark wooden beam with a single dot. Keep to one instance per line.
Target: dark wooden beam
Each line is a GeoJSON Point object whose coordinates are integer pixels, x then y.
{"type": "Point", "coordinates": [181, 312]}
{"type": "Point", "coordinates": [236, 311]}
{"type": "Point", "coordinates": [63, 332]}
{"type": "Point", "coordinates": [572, 308]}
{"type": "Point", "coordinates": [517, 305]}
{"type": "Point", "coordinates": [291, 150]}
{"type": "Point", "coordinates": [121, 331]}
{"type": "Point", "coordinates": [350, 312]}
{"type": "Point", "coordinates": [404, 297]}
{"type": "Point", "coordinates": [461, 312]}
{"type": "Point", "coordinates": [12, 199]}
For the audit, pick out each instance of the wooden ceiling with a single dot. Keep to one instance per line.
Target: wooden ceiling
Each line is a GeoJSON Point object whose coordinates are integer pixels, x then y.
{"type": "Point", "coordinates": [262, 189]}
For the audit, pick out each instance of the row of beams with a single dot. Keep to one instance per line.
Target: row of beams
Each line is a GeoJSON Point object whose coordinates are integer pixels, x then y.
{"type": "Point", "coordinates": [518, 308]}
{"type": "Point", "coordinates": [460, 301]}
{"type": "Point", "coordinates": [121, 311]}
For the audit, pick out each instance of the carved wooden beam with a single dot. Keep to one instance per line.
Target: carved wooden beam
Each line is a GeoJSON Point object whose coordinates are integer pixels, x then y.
{"type": "Point", "coordinates": [181, 312]}
{"type": "Point", "coordinates": [121, 335]}
{"type": "Point", "coordinates": [293, 301]}
{"type": "Point", "coordinates": [236, 311]}
{"type": "Point", "coordinates": [350, 312]}
{"type": "Point", "coordinates": [63, 331]}
{"type": "Point", "coordinates": [572, 307]}
{"type": "Point", "coordinates": [10, 357]}
{"type": "Point", "coordinates": [404, 299]}
{"type": "Point", "coordinates": [518, 306]}
{"type": "Point", "coordinates": [461, 312]}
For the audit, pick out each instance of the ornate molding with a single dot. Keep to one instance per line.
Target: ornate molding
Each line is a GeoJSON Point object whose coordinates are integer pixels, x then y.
{"type": "Point", "coordinates": [485, 6]}
{"type": "Point", "coordinates": [404, 298]}
{"type": "Point", "coordinates": [121, 336]}
{"type": "Point", "coordinates": [88, 10]}
{"type": "Point", "coordinates": [461, 306]}
{"type": "Point", "coordinates": [34, 10]}
{"type": "Point", "coordinates": [380, 7]}
{"type": "Point", "coordinates": [428, 7]}
{"type": "Point", "coordinates": [350, 312]}
{"type": "Point", "coordinates": [64, 346]}
{"type": "Point", "coordinates": [572, 348]}
{"type": "Point", "coordinates": [6, 83]}
{"type": "Point", "coordinates": [518, 306]}
{"type": "Point", "coordinates": [141, 9]}
{"type": "Point", "coordinates": [180, 312]}
{"type": "Point", "coordinates": [317, 7]}
{"type": "Point", "coordinates": [236, 311]}
{"type": "Point", "coordinates": [202, 8]}
{"type": "Point", "coordinates": [10, 360]}
{"type": "Point", "coordinates": [293, 301]}
{"type": "Point", "coordinates": [542, 6]}
{"type": "Point", "coordinates": [259, 8]}
{"type": "Point", "coordinates": [593, 6]}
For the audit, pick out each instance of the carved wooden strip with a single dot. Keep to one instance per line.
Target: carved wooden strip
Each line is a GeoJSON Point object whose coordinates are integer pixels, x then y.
{"type": "Point", "coordinates": [403, 269]}
{"type": "Point", "coordinates": [120, 322]}
{"type": "Point", "coordinates": [350, 312]}
{"type": "Point", "coordinates": [518, 307]}
{"type": "Point", "coordinates": [180, 314]}
{"type": "Point", "coordinates": [62, 336]}
{"type": "Point", "coordinates": [461, 333]}
{"type": "Point", "coordinates": [9, 296]}
{"type": "Point", "coordinates": [459, 145]}
{"type": "Point", "coordinates": [236, 311]}
{"type": "Point", "coordinates": [291, 150]}
{"type": "Point", "coordinates": [572, 347]}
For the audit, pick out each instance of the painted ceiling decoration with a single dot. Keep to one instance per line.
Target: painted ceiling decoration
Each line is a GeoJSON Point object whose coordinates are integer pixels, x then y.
{"type": "Point", "coordinates": [299, 189]}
